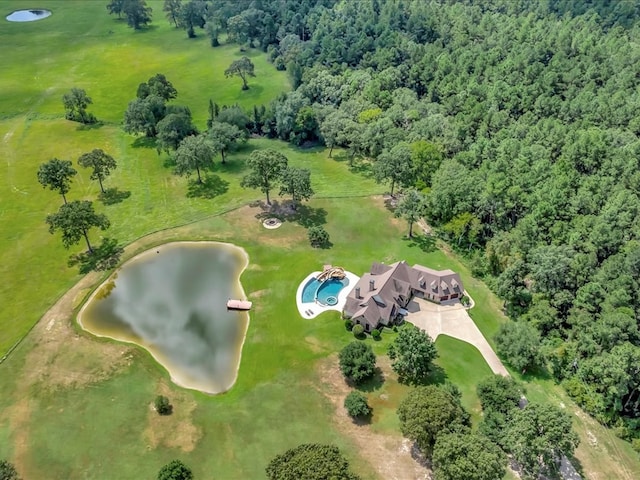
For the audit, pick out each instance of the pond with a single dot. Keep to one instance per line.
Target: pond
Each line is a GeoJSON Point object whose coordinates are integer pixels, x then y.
{"type": "Point", "coordinates": [28, 15]}
{"type": "Point", "coordinates": [171, 300]}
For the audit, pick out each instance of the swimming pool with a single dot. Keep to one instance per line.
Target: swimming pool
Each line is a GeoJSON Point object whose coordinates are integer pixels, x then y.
{"type": "Point", "coordinates": [326, 293]}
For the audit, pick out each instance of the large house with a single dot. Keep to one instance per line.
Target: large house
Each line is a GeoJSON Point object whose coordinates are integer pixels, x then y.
{"type": "Point", "coordinates": [381, 295]}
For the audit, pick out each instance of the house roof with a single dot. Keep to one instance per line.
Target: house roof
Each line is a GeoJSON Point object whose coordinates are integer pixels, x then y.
{"type": "Point", "coordinates": [386, 288]}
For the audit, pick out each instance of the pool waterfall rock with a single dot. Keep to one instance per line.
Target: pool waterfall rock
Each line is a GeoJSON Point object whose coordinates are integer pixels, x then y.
{"type": "Point", "coordinates": [171, 300]}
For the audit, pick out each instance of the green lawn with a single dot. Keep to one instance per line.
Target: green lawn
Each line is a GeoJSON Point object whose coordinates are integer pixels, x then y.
{"type": "Point", "coordinates": [80, 45]}
{"type": "Point", "coordinates": [98, 430]}
{"type": "Point", "coordinates": [463, 366]}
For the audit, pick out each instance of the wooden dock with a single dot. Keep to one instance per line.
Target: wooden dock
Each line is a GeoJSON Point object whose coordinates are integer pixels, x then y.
{"type": "Point", "coordinates": [238, 304]}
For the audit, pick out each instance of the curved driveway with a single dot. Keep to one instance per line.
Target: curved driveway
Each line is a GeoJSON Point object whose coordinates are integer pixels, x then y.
{"type": "Point", "coordinates": [453, 320]}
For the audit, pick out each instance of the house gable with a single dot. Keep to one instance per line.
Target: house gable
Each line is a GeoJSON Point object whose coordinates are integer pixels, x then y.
{"type": "Point", "coordinates": [384, 290]}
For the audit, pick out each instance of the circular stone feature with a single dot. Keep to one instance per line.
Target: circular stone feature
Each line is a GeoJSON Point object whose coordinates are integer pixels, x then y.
{"type": "Point", "coordinates": [331, 300]}
{"type": "Point", "coordinates": [271, 223]}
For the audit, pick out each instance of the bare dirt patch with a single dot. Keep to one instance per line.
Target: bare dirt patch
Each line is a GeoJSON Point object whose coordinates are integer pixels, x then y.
{"type": "Point", "coordinates": [391, 456]}
{"type": "Point", "coordinates": [59, 358]}
{"type": "Point", "coordinates": [176, 430]}
{"type": "Point", "coordinates": [62, 358]}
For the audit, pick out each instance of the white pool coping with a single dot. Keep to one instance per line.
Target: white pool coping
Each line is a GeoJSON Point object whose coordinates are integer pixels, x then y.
{"type": "Point", "coordinates": [313, 309]}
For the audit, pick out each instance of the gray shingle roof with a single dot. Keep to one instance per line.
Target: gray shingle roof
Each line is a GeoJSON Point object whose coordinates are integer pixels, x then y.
{"type": "Point", "coordinates": [385, 288]}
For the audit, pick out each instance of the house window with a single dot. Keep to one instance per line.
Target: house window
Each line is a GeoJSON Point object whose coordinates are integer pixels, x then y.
{"type": "Point", "coordinates": [366, 327]}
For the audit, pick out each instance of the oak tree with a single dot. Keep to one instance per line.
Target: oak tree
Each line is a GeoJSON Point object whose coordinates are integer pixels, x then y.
{"type": "Point", "coordinates": [74, 220]}
{"type": "Point", "coordinates": [195, 152]}
{"type": "Point", "coordinates": [75, 104]}
{"type": "Point", "coordinates": [310, 461]}
{"type": "Point", "coordinates": [296, 182]}
{"type": "Point", "coordinates": [101, 164]}
{"type": "Point", "coordinates": [172, 129]}
{"type": "Point", "coordinates": [411, 207]}
{"type": "Point", "coordinates": [242, 68]}
{"type": "Point", "coordinates": [427, 412]}
{"type": "Point", "coordinates": [469, 456]}
{"type": "Point", "coordinates": [412, 353]}
{"type": "Point", "coordinates": [175, 470]}
{"type": "Point", "coordinates": [356, 405]}
{"type": "Point", "coordinates": [357, 362]}
{"type": "Point", "coordinates": [225, 136]}
{"type": "Point", "coordinates": [57, 174]}
{"type": "Point", "coordinates": [537, 436]}
{"type": "Point", "coordinates": [266, 168]}
{"type": "Point", "coordinates": [172, 9]}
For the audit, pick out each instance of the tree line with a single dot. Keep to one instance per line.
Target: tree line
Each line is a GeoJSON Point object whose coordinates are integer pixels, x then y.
{"type": "Point", "coordinates": [518, 123]}
{"type": "Point", "coordinates": [533, 436]}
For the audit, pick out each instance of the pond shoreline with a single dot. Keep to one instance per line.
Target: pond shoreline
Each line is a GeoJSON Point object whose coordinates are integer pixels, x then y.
{"type": "Point", "coordinates": [165, 361]}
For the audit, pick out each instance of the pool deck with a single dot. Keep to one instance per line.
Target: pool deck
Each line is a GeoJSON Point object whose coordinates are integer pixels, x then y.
{"type": "Point", "coordinates": [313, 309]}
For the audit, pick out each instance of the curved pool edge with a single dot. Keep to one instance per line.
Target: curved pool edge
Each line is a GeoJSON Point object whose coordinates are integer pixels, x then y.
{"type": "Point", "coordinates": [316, 308]}
{"type": "Point", "coordinates": [155, 357]}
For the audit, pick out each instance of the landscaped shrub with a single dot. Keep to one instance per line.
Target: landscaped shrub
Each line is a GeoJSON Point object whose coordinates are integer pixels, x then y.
{"type": "Point", "coordinates": [175, 470]}
{"type": "Point", "coordinates": [310, 461]}
{"type": "Point", "coordinates": [348, 325]}
{"type": "Point", "coordinates": [163, 407]}
{"type": "Point", "coordinates": [357, 361]}
{"type": "Point", "coordinates": [464, 300]}
{"type": "Point", "coordinates": [375, 333]}
{"type": "Point", "coordinates": [356, 405]}
{"type": "Point", "coordinates": [358, 330]}
{"type": "Point", "coordinates": [8, 471]}
{"type": "Point", "coordinates": [318, 237]}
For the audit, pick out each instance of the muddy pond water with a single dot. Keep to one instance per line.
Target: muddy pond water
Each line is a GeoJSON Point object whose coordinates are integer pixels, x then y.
{"type": "Point", "coordinates": [172, 301]}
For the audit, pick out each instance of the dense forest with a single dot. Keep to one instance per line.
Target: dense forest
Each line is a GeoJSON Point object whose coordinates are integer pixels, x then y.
{"type": "Point", "coordinates": [519, 121]}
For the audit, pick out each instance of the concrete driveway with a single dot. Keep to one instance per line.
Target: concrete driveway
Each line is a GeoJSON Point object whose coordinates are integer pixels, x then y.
{"type": "Point", "coordinates": [453, 320]}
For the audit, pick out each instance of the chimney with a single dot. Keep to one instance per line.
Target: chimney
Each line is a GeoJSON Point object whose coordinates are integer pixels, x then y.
{"type": "Point", "coordinates": [357, 292]}
{"type": "Point", "coordinates": [372, 285]}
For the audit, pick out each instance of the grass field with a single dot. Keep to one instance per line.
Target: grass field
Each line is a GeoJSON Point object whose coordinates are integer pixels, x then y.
{"type": "Point", "coordinates": [78, 408]}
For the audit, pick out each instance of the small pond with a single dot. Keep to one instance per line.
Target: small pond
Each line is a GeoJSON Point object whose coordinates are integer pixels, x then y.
{"type": "Point", "coordinates": [28, 15]}
{"type": "Point", "coordinates": [172, 301]}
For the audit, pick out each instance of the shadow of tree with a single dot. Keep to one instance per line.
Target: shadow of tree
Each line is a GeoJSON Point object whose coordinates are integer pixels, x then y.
{"type": "Point", "coordinates": [169, 161]}
{"type": "Point", "coordinates": [211, 187]}
{"type": "Point", "coordinates": [144, 142]}
{"type": "Point", "coordinates": [362, 167]}
{"type": "Point", "coordinates": [112, 196]}
{"type": "Point", "coordinates": [307, 216]}
{"type": "Point", "coordinates": [89, 126]}
{"type": "Point", "coordinates": [341, 156]}
{"type": "Point", "coordinates": [426, 243]}
{"type": "Point", "coordinates": [418, 455]}
{"type": "Point", "coordinates": [232, 165]}
{"type": "Point", "coordinates": [437, 376]}
{"type": "Point", "coordinates": [104, 257]}
{"type": "Point", "coordinates": [372, 384]}
{"type": "Point", "coordinates": [390, 202]}
{"type": "Point", "coordinates": [576, 464]}
{"type": "Point", "coordinates": [325, 245]}
{"type": "Point", "coordinates": [361, 421]}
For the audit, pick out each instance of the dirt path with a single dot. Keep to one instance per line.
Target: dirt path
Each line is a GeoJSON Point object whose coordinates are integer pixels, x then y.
{"type": "Point", "coordinates": [52, 367]}
{"type": "Point", "coordinates": [392, 456]}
